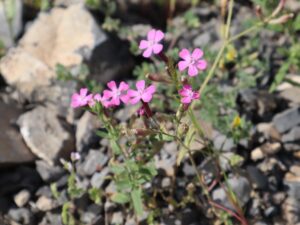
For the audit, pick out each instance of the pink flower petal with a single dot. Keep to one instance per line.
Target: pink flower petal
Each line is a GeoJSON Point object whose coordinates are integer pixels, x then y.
{"type": "Point", "coordinates": [182, 92]}
{"type": "Point", "coordinates": [143, 44]}
{"type": "Point", "coordinates": [107, 94]}
{"type": "Point", "coordinates": [185, 54]}
{"type": "Point", "coordinates": [112, 85]}
{"type": "Point", "coordinates": [83, 91]}
{"type": "Point", "coordinates": [146, 97]}
{"type": "Point", "coordinates": [132, 93]}
{"type": "Point", "coordinates": [196, 95]}
{"type": "Point", "coordinates": [197, 53]}
{"type": "Point", "coordinates": [115, 101]}
{"type": "Point", "coordinates": [148, 52]}
{"type": "Point", "coordinates": [157, 48]}
{"type": "Point", "coordinates": [125, 98]}
{"type": "Point", "coordinates": [202, 64]}
{"type": "Point", "coordinates": [140, 85]}
{"type": "Point", "coordinates": [91, 103]}
{"type": "Point", "coordinates": [151, 35]}
{"type": "Point", "coordinates": [159, 35]}
{"type": "Point", "coordinates": [186, 100]}
{"type": "Point", "coordinates": [182, 65]}
{"type": "Point", "coordinates": [187, 87]}
{"type": "Point", "coordinates": [151, 89]}
{"type": "Point", "coordinates": [123, 86]}
{"type": "Point", "coordinates": [98, 97]}
{"type": "Point", "coordinates": [135, 100]}
{"type": "Point", "coordinates": [192, 71]}
{"type": "Point", "coordinates": [89, 97]}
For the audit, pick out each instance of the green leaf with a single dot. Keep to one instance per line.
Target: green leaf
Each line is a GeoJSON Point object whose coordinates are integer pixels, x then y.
{"type": "Point", "coordinates": [115, 147]}
{"type": "Point", "coordinates": [296, 23]}
{"type": "Point", "coordinates": [120, 198]}
{"type": "Point", "coordinates": [136, 196]}
{"type": "Point", "coordinates": [236, 160]}
{"type": "Point", "coordinates": [117, 169]}
{"type": "Point", "coordinates": [66, 215]}
{"type": "Point", "coordinates": [54, 191]}
{"type": "Point", "coordinates": [95, 195]}
{"type": "Point", "coordinates": [102, 133]}
{"type": "Point", "coordinates": [280, 75]}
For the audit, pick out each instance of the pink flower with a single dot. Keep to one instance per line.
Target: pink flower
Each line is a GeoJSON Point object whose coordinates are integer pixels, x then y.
{"type": "Point", "coordinates": [141, 111]}
{"type": "Point", "coordinates": [152, 44]}
{"type": "Point", "coordinates": [187, 94]}
{"type": "Point", "coordinates": [81, 99]}
{"type": "Point", "coordinates": [75, 156]}
{"type": "Point", "coordinates": [142, 93]}
{"type": "Point", "coordinates": [98, 98]}
{"type": "Point", "coordinates": [115, 95]}
{"type": "Point", "coordinates": [192, 61]}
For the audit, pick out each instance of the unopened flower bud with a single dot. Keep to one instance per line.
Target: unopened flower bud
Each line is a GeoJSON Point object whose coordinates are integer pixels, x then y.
{"type": "Point", "coordinates": [142, 132]}
{"type": "Point", "coordinates": [282, 19]}
{"type": "Point", "coordinates": [278, 8]}
{"type": "Point", "coordinates": [158, 78]}
{"type": "Point", "coordinates": [258, 12]}
{"type": "Point", "coordinates": [75, 156]}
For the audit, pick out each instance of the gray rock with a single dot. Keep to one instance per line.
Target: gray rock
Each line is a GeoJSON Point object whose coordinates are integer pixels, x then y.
{"type": "Point", "coordinates": [291, 140]}
{"type": "Point", "coordinates": [117, 218]}
{"type": "Point", "coordinates": [86, 131]}
{"type": "Point", "coordinates": [287, 120]}
{"type": "Point", "coordinates": [21, 198]}
{"type": "Point", "coordinates": [98, 178]}
{"type": "Point", "coordinates": [227, 158]}
{"type": "Point", "coordinates": [12, 148]}
{"type": "Point", "coordinates": [240, 186]}
{"type": "Point", "coordinates": [8, 34]}
{"type": "Point", "coordinates": [21, 215]}
{"type": "Point", "coordinates": [45, 135]}
{"type": "Point", "coordinates": [47, 172]}
{"type": "Point", "coordinates": [223, 143]}
{"type": "Point", "coordinates": [51, 219]}
{"type": "Point", "coordinates": [51, 39]}
{"type": "Point", "coordinates": [291, 94]}
{"type": "Point", "coordinates": [91, 214]}
{"type": "Point", "coordinates": [95, 160]}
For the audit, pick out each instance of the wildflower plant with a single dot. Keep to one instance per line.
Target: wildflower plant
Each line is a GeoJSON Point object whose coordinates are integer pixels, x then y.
{"type": "Point", "coordinates": [132, 163]}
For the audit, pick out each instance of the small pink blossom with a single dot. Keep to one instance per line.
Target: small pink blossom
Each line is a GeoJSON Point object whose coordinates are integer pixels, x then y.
{"type": "Point", "coordinates": [115, 95]}
{"type": "Point", "coordinates": [141, 111]}
{"type": "Point", "coordinates": [81, 99]}
{"type": "Point", "coordinates": [192, 61]}
{"type": "Point", "coordinates": [142, 93]}
{"type": "Point", "coordinates": [75, 156]}
{"type": "Point", "coordinates": [187, 94]}
{"type": "Point", "coordinates": [152, 45]}
{"type": "Point", "coordinates": [98, 98]}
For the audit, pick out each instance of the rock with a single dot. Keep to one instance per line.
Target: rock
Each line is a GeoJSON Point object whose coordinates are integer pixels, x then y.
{"type": "Point", "coordinates": [291, 95]}
{"type": "Point", "coordinates": [226, 160]}
{"type": "Point", "coordinates": [257, 154]}
{"type": "Point", "coordinates": [223, 143]}
{"type": "Point", "coordinates": [86, 131]}
{"type": "Point", "coordinates": [91, 214]}
{"type": "Point", "coordinates": [51, 39]}
{"type": "Point", "coordinates": [45, 135]}
{"type": "Point", "coordinates": [57, 98]}
{"type": "Point", "coordinates": [291, 140]}
{"type": "Point", "coordinates": [167, 164]}
{"type": "Point", "coordinates": [12, 148]}
{"type": "Point", "coordinates": [287, 120]}
{"type": "Point", "coordinates": [99, 178]}
{"type": "Point", "coordinates": [8, 34]}
{"type": "Point", "coordinates": [266, 149]}
{"type": "Point", "coordinates": [293, 77]}
{"type": "Point", "coordinates": [51, 219]}
{"type": "Point", "coordinates": [21, 198]}
{"type": "Point", "coordinates": [45, 204]}
{"type": "Point", "coordinates": [257, 178]}
{"type": "Point", "coordinates": [95, 160]}
{"type": "Point", "coordinates": [269, 131]}
{"type": "Point", "coordinates": [240, 186]}
{"type": "Point", "coordinates": [117, 218]}
{"type": "Point", "coordinates": [47, 172]}
{"type": "Point", "coordinates": [21, 215]}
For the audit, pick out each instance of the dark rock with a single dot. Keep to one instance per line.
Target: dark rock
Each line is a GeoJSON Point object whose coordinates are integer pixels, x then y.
{"type": "Point", "coordinates": [287, 120]}
{"type": "Point", "coordinates": [95, 160]}
{"type": "Point", "coordinates": [240, 186]}
{"type": "Point", "coordinates": [259, 180]}
{"type": "Point", "coordinates": [12, 148]}
{"type": "Point", "coordinates": [49, 173]}
{"type": "Point", "coordinates": [47, 136]}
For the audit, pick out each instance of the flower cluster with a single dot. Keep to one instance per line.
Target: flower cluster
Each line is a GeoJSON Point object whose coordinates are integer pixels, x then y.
{"type": "Point", "coordinates": [114, 95]}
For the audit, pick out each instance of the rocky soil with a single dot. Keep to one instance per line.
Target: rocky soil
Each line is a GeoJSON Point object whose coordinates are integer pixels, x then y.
{"type": "Point", "coordinates": [38, 127]}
